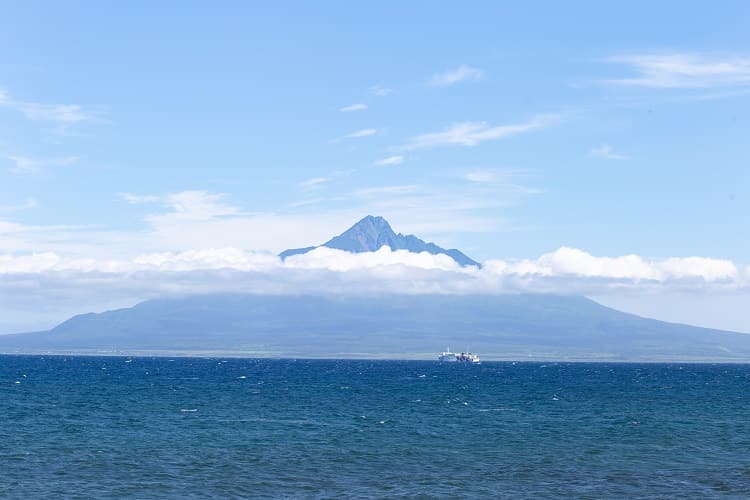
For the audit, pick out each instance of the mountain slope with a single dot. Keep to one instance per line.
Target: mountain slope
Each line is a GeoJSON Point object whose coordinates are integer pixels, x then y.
{"type": "Point", "coordinates": [510, 327]}
{"type": "Point", "coordinates": [371, 233]}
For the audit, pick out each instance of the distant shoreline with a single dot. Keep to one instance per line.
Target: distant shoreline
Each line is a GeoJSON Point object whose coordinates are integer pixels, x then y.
{"type": "Point", "coordinates": [197, 354]}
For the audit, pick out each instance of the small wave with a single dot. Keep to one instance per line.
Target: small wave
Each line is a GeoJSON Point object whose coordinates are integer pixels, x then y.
{"type": "Point", "coordinates": [185, 410]}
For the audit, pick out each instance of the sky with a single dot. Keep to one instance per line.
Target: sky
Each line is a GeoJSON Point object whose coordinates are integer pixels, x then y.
{"type": "Point", "coordinates": [150, 148]}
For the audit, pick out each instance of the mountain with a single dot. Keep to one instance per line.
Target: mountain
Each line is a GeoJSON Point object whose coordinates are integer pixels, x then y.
{"type": "Point", "coordinates": [517, 327]}
{"type": "Point", "coordinates": [371, 233]}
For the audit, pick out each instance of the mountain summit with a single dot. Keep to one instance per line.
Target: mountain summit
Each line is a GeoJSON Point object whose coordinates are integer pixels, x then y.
{"type": "Point", "coordinates": [372, 233]}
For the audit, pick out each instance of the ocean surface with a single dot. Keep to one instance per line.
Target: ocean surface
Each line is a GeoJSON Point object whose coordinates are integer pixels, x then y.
{"type": "Point", "coordinates": [196, 428]}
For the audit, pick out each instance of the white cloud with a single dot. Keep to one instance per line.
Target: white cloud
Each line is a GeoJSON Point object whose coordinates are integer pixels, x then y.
{"type": "Point", "coordinates": [195, 206]}
{"type": "Point", "coordinates": [54, 112]}
{"type": "Point", "coordinates": [474, 133]}
{"type": "Point", "coordinates": [382, 192]}
{"type": "Point", "coordinates": [27, 165]}
{"type": "Point", "coordinates": [57, 286]}
{"type": "Point", "coordinates": [379, 91]}
{"type": "Point", "coordinates": [27, 204]}
{"type": "Point", "coordinates": [391, 160]}
{"type": "Point", "coordinates": [22, 165]}
{"type": "Point", "coordinates": [482, 176]}
{"type": "Point", "coordinates": [460, 74]}
{"type": "Point", "coordinates": [262, 230]}
{"type": "Point", "coordinates": [684, 70]}
{"type": "Point", "coordinates": [206, 259]}
{"type": "Point", "coordinates": [505, 181]}
{"type": "Point", "coordinates": [590, 274]}
{"type": "Point", "coordinates": [313, 183]}
{"type": "Point", "coordinates": [365, 132]}
{"type": "Point", "coordinates": [227, 259]}
{"type": "Point", "coordinates": [574, 269]}
{"type": "Point", "coordinates": [12, 227]}
{"type": "Point", "coordinates": [187, 205]}
{"type": "Point", "coordinates": [606, 152]}
{"type": "Point", "coordinates": [138, 199]}
{"type": "Point", "coordinates": [435, 211]}
{"type": "Point", "coordinates": [354, 107]}
{"type": "Point", "coordinates": [699, 267]}
{"type": "Point", "coordinates": [66, 113]}
{"type": "Point", "coordinates": [193, 219]}
{"type": "Point", "coordinates": [337, 260]}
{"type": "Point", "coordinates": [357, 134]}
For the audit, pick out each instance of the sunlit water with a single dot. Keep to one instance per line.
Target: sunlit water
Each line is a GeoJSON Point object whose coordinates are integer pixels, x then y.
{"type": "Point", "coordinates": [116, 427]}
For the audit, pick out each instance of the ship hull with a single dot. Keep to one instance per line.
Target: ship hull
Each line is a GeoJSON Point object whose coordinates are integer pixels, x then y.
{"type": "Point", "coordinates": [448, 359]}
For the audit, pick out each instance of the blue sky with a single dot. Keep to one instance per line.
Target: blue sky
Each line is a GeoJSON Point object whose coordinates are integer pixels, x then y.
{"type": "Point", "coordinates": [506, 130]}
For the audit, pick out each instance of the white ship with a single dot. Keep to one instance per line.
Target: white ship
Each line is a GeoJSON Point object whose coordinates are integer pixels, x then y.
{"type": "Point", "coordinates": [464, 357]}
{"type": "Point", "coordinates": [447, 356]}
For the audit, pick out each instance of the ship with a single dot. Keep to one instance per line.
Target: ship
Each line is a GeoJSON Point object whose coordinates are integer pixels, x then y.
{"type": "Point", "coordinates": [447, 356]}
{"type": "Point", "coordinates": [463, 357]}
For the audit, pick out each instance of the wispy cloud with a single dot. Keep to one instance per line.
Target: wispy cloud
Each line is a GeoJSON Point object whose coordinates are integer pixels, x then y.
{"type": "Point", "coordinates": [202, 219]}
{"type": "Point", "coordinates": [27, 204]}
{"type": "Point", "coordinates": [365, 132]}
{"type": "Point", "coordinates": [683, 70]}
{"type": "Point", "coordinates": [460, 74]}
{"type": "Point", "coordinates": [354, 107]}
{"type": "Point", "coordinates": [187, 205]}
{"type": "Point", "coordinates": [65, 113]}
{"type": "Point", "coordinates": [379, 91]}
{"type": "Point", "coordinates": [28, 165]}
{"type": "Point", "coordinates": [358, 134]}
{"type": "Point", "coordinates": [138, 199]}
{"type": "Point", "coordinates": [482, 176]}
{"type": "Point", "coordinates": [506, 180]}
{"type": "Point", "coordinates": [383, 192]}
{"type": "Point", "coordinates": [432, 210]}
{"type": "Point", "coordinates": [606, 152]}
{"type": "Point", "coordinates": [313, 183]}
{"type": "Point", "coordinates": [390, 161]}
{"type": "Point", "coordinates": [474, 133]}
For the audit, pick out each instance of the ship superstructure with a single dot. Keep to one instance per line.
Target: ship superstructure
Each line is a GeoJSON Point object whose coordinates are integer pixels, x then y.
{"type": "Point", "coordinates": [458, 357]}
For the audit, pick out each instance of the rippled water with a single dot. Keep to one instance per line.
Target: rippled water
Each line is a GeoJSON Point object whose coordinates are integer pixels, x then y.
{"type": "Point", "coordinates": [117, 427]}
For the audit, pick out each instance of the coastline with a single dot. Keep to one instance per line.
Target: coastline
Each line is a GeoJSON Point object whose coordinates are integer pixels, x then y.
{"type": "Point", "coordinates": [349, 356]}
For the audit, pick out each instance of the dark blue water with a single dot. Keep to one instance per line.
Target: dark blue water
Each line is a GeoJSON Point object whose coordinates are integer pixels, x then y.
{"type": "Point", "coordinates": [104, 427]}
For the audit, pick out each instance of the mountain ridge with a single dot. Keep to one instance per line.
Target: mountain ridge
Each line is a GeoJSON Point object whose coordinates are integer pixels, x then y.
{"type": "Point", "coordinates": [373, 232]}
{"type": "Point", "coordinates": [517, 327]}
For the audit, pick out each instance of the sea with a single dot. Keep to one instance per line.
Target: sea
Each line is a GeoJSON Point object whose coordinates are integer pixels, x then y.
{"type": "Point", "coordinates": [118, 427]}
